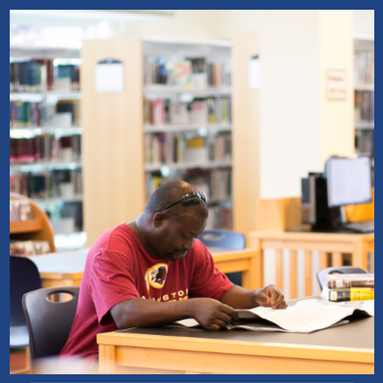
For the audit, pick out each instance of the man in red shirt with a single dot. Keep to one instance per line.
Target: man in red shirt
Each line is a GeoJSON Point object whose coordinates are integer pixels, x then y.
{"type": "Point", "coordinates": [153, 271]}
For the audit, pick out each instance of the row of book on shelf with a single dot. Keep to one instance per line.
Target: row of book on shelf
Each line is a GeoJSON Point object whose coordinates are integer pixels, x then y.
{"type": "Point", "coordinates": [364, 141]}
{"type": "Point", "coordinates": [45, 147]}
{"type": "Point", "coordinates": [364, 105]}
{"type": "Point", "coordinates": [29, 248]}
{"type": "Point", "coordinates": [364, 68]}
{"type": "Point", "coordinates": [41, 75]}
{"type": "Point", "coordinates": [58, 183]}
{"type": "Point", "coordinates": [65, 113]}
{"type": "Point", "coordinates": [200, 111]}
{"type": "Point", "coordinates": [349, 287]}
{"type": "Point", "coordinates": [215, 183]}
{"type": "Point", "coordinates": [20, 210]}
{"type": "Point", "coordinates": [220, 217]}
{"type": "Point", "coordinates": [188, 72]}
{"type": "Point", "coordinates": [169, 148]}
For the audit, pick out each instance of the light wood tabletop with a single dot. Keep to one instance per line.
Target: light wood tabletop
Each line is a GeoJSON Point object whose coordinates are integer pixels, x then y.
{"type": "Point", "coordinates": [61, 269]}
{"type": "Point", "coordinates": [345, 349]}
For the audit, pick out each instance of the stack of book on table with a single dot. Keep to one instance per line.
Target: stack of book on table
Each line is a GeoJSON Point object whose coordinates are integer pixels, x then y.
{"type": "Point", "coordinates": [349, 287]}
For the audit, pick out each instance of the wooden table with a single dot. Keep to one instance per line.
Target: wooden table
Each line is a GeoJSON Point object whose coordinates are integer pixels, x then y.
{"type": "Point", "coordinates": [331, 246]}
{"type": "Point", "coordinates": [246, 260]}
{"type": "Point", "coordinates": [66, 269]}
{"type": "Point", "coordinates": [61, 269]}
{"type": "Point", "coordinates": [346, 349]}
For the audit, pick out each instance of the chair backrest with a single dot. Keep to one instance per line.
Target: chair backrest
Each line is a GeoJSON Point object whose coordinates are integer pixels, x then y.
{"type": "Point", "coordinates": [226, 239]}
{"type": "Point", "coordinates": [24, 277]}
{"type": "Point", "coordinates": [49, 322]}
{"type": "Point", "coordinates": [322, 274]}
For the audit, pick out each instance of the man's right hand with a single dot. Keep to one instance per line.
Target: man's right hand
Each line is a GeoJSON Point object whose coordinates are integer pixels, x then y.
{"type": "Point", "coordinates": [138, 312]}
{"type": "Point", "coordinates": [210, 313]}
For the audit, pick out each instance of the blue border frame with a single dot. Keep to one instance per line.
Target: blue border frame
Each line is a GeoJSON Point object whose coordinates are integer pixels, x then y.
{"type": "Point", "coordinates": [4, 152]}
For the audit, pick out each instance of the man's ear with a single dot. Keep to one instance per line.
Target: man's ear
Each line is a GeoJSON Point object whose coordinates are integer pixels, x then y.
{"type": "Point", "coordinates": [158, 219]}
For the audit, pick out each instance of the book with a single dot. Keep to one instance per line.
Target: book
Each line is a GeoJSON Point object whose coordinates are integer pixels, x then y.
{"type": "Point", "coordinates": [182, 73]}
{"type": "Point", "coordinates": [28, 248]}
{"type": "Point", "coordinates": [178, 114]}
{"type": "Point", "coordinates": [351, 294]}
{"type": "Point", "coordinates": [305, 316]}
{"type": "Point", "coordinates": [20, 210]}
{"type": "Point", "coordinates": [198, 112]}
{"type": "Point", "coordinates": [339, 281]}
{"type": "Point", "coordinates": [43, 147]}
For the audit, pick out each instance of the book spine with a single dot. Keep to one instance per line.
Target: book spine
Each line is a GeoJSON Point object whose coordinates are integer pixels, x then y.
{"type": "Point", "coordinates": [347, 283]}
{"type": "Point", "coordinates": [352, 294]}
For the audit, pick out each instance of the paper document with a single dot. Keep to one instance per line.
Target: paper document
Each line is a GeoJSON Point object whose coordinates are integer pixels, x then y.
{"type": "Point", "coordinates": [306, 316]}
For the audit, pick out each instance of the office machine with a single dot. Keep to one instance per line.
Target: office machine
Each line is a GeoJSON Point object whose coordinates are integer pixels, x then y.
{"type": "Point", "coordinates": [346, 181]}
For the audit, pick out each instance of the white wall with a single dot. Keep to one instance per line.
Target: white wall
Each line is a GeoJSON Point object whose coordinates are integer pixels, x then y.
{"type": "Point", "coordinates": [290, 101]}
{"type": "Point", "coordinates": [234, 21]}
{"type": "Point", "coordinates": [337, 117]}
{"type": "Point", "coordinates": [363, 22]}
{"type": "Point", "coordinates": [191, 24]}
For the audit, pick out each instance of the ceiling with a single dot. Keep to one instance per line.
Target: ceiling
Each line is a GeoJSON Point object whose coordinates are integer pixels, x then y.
{"type": "Point", "coordinates": [81, 17]}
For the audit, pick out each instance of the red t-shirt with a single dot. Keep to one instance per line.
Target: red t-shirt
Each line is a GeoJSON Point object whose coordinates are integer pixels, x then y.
{"type": "Point", "coordinates": [118, 268]}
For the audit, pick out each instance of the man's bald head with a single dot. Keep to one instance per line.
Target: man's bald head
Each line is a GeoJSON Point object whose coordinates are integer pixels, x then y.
{"type": "Point", "coordinates": [170, 192]}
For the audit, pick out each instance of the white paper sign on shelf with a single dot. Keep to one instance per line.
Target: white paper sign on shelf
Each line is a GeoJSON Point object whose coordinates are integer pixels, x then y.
{"type": "Point", "coordinates": [254, 73]}
{"type": "Point", "coordinates": [109, 76]}
{"type": "Point", "coordinates": [336, 84]}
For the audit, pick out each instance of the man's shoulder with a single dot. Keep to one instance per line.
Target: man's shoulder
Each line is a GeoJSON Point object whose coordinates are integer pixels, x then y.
{"type": "Point", "coordinates": [200, 250]}
{"type": "Point", "coordinates": [116, 236]}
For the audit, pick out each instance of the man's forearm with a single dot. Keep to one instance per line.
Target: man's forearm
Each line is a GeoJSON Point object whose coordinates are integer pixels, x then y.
{"type": "Point", "coordinates": [239, 298]}
{"type": "Point", "coordinates": [147, 313]}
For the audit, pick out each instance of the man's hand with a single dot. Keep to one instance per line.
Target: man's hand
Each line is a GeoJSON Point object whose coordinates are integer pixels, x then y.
{"type": "Point", "coordinates": [270, 296]}
{"type": "Point", "coordinates": [211, 314]}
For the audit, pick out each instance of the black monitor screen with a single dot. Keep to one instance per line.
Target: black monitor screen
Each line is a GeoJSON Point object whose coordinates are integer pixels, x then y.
{"type": "Point", "coordinates": [348, 181]}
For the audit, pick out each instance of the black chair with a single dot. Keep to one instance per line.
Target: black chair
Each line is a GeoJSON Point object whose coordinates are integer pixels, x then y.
{"type": "Point", "coordinates": [49, 322]}
{"type": "Point", "coordinates": [322, 274]}
{"type": "Point", "coordinates": [24, 277]}
{"type": "Point", "coordinates": [226, 239]}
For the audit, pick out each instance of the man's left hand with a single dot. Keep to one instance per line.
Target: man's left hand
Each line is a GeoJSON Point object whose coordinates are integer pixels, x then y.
{"type": "Point", "coordinates": [270, 296]}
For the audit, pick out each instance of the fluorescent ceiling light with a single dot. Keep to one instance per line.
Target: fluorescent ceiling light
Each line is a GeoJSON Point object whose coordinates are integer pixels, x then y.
{"type": "Point", "coordinates": [80, 17]}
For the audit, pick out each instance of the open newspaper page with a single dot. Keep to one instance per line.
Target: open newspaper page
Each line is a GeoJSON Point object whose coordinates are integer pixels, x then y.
{"type": "Point", "coordinates": [304, 317]}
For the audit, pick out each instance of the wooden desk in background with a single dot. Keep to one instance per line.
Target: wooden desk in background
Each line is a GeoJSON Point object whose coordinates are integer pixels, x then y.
{"type": "Point", "coordinates": [61, 269]}
{"type": "Point", "coordinates": [346, 349]}
{"type": "Point", "coordinates": [358, 245]}
{"type": "Point", "coordinates": [66, 269]}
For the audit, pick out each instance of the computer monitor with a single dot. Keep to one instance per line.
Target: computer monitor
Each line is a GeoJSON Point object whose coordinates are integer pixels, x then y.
{"type": "Point", "coordinates": [348, 181]}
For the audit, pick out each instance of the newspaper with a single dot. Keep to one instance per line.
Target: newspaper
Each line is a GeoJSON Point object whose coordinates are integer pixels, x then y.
{"type": "Point", "coordinates": [305, 316]}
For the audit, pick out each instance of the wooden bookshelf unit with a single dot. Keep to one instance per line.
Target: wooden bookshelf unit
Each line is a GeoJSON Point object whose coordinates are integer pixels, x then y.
{"type": "Point", "coordinates": [39, 228]}
{"type": "Point", "coordinates": [118, 173]}
{"type": "Point", "coordinates": [37, 106]}
{"type": "Point", "coordinates": [26, 226]}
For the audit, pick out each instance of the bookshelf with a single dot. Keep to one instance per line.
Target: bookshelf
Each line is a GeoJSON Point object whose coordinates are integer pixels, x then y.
{"type": "Point", "coordinates": [187, 119]}
{"type": "Point", "coordinates": [38, 228]}
{"type": "Point", "coordinates": [46, 132]}
{"type": "Point", "coordinates": [364, 95]}
{"type": "Point", "coordinates": [29, 226]}
{"type": "Point", "coordinates": [143, 133]}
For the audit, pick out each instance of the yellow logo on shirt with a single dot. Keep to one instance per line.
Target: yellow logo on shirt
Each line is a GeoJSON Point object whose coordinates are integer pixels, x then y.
{"type": "Point", "coordinates": [155, 276]}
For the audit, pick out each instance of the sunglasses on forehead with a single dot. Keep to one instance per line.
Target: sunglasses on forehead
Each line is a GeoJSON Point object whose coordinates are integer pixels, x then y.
{"type": "Point", "coordinates": [196, 195]}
